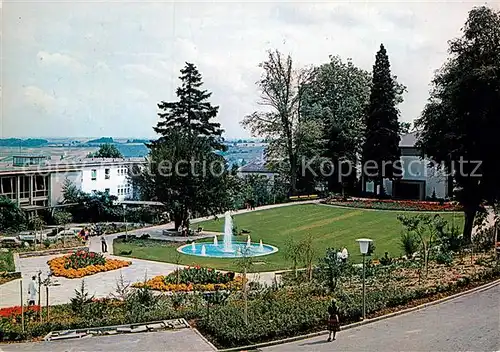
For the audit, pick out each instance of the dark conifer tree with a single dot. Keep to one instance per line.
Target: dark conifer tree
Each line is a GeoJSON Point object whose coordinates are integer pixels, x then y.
{"type": "Point", "coordinates": [381, 145]}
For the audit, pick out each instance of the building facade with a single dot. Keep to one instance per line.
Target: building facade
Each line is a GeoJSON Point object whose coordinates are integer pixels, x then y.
{"type": "Point", "coordinates": [36, 183]}
{"type": "Point", "coordinates": [421, 179]}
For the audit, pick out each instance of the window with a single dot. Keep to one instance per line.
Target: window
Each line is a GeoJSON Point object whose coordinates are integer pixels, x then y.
{"type": "Point", "coordinates": [93, 175]}
{"type": "Point", "coordinates": [107, 174]}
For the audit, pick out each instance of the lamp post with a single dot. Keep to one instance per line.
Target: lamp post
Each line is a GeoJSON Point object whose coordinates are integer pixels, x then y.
{"type": "Point", "coordinates": [364, 243]}
{"type": "Point", "coordinates": [125, 221]}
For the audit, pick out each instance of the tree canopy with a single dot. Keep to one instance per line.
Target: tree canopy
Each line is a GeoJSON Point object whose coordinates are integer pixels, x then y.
{"type": "Point", "coordinates": [107, 150]}
{"type": "Point", "coordinates": [460, 124]}
{"type": "Point", "coordinates": [12, 218]}
{"type": "Point", "coordinates": [183, 171]}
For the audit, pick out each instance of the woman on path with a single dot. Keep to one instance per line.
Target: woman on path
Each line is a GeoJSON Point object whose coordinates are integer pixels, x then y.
{"type": "Point", "coordinates": [333, 321]}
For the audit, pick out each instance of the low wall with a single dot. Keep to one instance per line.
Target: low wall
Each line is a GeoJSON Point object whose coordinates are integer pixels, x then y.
{"type": "Point", "coordinates": [52, 252]}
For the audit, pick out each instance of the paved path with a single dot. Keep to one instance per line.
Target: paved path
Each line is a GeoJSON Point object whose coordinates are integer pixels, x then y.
{"type": "Point", "coordinates": [104, 284]}
{"type": "Point", "coordinates": [184, 340]}
{"type": "Point", "coordinates": [468, 323]}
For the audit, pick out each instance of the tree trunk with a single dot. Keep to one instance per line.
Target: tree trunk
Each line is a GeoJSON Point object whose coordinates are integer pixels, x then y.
{"type": "Point", "coordinates": [470, 214]}
{"type": "Point", "coordinates": [178, 220]}
{"type": "Point", "coordinates": [293, 173]}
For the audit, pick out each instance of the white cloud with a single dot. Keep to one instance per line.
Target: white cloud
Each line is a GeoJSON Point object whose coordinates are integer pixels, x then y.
{"type": "Point", "coordinates": [140, 69]}
{"type": "Point", "coordinates": [105, 63]}
{"type": "Point", "coordinates": [59, 59]}
{"type": "Point", "coordinates": [39, 98]}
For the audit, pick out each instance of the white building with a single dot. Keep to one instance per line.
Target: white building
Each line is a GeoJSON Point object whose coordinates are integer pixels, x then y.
{"type": "Point", "coordinates": [35, 182]}
{"type": "Point", "coordinates": [420, 179]}
{"type": "Point", "coordinates": [256, 167]}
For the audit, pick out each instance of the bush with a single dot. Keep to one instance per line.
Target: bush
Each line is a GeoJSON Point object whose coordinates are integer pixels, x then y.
{"type": "Point", "coordinates": [409, 243]}
{"type": "Point", "coordinates": [484, 240]}
{"type": "Point", "coordinates": [444, 257]}
{"type": "Point", "coordinates": [275, 315]}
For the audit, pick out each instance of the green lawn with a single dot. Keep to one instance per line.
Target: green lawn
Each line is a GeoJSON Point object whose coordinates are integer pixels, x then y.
{"type": "Point", "coordinates": [329, 226]}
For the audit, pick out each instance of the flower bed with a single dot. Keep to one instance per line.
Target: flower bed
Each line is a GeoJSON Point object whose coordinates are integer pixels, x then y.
{"type": "Point", "coordinates": [83, 263]}
{"type": "Point", "coordinates": [194, 279]}
{"type": "Point", "coordinates": [14, 311]}
{"type": "Point", "coordinates": [390, 204]}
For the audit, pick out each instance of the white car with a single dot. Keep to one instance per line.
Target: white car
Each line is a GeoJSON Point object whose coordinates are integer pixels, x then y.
{"type": "Point", "coordinates": [10, 242]}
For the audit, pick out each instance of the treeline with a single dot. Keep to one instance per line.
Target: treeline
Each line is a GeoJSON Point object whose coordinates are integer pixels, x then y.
{"type": "Point", "coordinates": [17, 142]}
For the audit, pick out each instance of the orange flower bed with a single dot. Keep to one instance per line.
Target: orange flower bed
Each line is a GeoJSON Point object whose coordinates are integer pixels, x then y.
{"type": "Point", "coordinates": [158, 283]}
{"type": "Point", "coordinates": [57, 268]}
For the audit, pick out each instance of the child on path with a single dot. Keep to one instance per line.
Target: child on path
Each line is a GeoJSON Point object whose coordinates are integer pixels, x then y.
{"type": "Point", "coordinates": [333, 321]}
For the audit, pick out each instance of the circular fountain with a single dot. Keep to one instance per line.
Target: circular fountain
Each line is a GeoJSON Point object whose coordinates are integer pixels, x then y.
{"type": "Point", "coordinates": [228, 248]}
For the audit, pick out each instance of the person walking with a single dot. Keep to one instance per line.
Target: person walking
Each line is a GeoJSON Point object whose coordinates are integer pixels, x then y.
{"type": "Point", "coordinates": [32, 291]}
{"type": "Point", "coordinates": [333, 321]}
{"type": "Point", "coordinates": [104, 245]}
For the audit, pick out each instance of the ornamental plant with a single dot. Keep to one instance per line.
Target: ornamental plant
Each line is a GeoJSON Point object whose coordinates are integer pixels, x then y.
{"type": "Point", "coordinates": [82, 259]}
{"type": "Point", "coordinates": [198, 275]}
{"type": "Point", "coordinates": [83, 263]}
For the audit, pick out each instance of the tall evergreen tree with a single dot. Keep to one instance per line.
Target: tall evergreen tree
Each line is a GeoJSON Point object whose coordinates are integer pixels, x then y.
{"type": "Point", "coordinates": [192, 113]}
{"type": "Point", "coordinates": [381, 145]}
{"type": "Point", "coordinates": [183, 170]}
{"type": "Point", "coordinates": [460, 125]}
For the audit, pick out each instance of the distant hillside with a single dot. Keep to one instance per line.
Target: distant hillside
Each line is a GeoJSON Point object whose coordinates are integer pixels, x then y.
{"type": "Point", "coordinates": [101, 140]}
{"type": "Point", "coordinates": [17, 142]}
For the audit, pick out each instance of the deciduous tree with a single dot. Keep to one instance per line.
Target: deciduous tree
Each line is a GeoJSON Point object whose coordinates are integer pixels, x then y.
{"type": "Point", "coordinates": [460, 125]}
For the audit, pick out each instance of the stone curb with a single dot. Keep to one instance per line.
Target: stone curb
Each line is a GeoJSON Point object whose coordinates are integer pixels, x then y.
{"type": "Point", "coordinates": [17, 265]}
{"type": "Point", "coordinates": [48, 252]}
{"type": "Point", "coordinates": [204, 339]}
{"type": "Point", "coordinates": [368, 321]}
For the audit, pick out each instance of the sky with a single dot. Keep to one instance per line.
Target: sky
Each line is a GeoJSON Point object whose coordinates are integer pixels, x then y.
{"type": "Point", "coordinates": [88, 68]}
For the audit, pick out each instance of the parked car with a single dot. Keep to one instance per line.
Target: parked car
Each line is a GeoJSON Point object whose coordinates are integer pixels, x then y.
{"type": "Point", "coordinates": [10, 242]}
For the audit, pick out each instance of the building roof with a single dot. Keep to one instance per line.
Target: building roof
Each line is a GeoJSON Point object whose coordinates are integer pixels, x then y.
{"type": "Point", "coordinates": [256, 167]}
{"type": "Point", "coordinates": [66, 165]}
{"type": "Point", "coordinates": [409, 139]}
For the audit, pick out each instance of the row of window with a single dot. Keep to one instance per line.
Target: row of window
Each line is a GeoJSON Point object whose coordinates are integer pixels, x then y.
{"type": "Point", "coordinates": [124, 190]}
{"type": "Point", "coordinates": [107, 173]}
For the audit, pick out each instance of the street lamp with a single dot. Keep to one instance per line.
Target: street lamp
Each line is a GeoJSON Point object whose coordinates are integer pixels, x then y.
{"type": "Point", "coordinates": [125, 221]}
{"type": "Point", "coordinates": [364, 244]}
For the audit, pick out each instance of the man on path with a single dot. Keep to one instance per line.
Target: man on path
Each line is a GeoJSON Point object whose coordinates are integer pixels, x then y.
{"type": "Point", "coordinates": [104, 245]}
{"type": "Point", "coordinates": [32, 291]}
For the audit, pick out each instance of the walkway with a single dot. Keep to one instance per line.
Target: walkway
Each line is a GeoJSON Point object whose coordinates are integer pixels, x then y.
{"type": "Point", "coordinates": [104, 284]}
{"type": "Point", "coordinates": [167, 341]}
{"type": "Point", "coordinates": [468, 323]}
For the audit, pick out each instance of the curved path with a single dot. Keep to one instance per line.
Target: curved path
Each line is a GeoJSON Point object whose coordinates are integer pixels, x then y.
{"type": "Point", "coordinates": [104, 284]}
{"type": "Point", "coordinates": [467, 323]}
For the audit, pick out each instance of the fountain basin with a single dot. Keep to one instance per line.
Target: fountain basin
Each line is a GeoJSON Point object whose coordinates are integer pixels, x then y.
{"type": "Point", "coordinates": [211, 250]}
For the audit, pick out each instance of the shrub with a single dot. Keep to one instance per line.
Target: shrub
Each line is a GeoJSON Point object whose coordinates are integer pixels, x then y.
{"type": "Point", "coordinates": [81, 259]}
{"type": "Point", "coordinates": [386, 260]}
{"type": "Point", "coordinates": [444, 257]}
{"type": "Point", "coordinates": [409, 243]}
{"type": "Point", "coordinates": [276, 315]}
{"type": "Point", "coordinates": [198, 275]}
{"type": "Point", "coordinates": [484, 240]}
{"type": "Point", "coordinates": [81, 299]}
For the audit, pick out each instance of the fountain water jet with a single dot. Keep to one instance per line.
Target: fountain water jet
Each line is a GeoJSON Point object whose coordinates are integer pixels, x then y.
{"type": "Point", "coordinates": [193, 247]}
{"type": "Point", "coordinates": [228, 233]}
{"type": "Point", "coordinates": [261, 246]}
{"type": "Point", "coordinates": [203, 251]}
{"type": "Point", "coordinates": [216, 243]}
{"type": "Point", "coordinates": [249, 241]}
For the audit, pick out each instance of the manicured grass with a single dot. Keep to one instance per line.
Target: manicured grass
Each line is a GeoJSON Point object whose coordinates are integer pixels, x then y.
{"type": "Point", "coordinates": [329, 227]}
{"type": "Point", "coordinates": [7, 262]}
